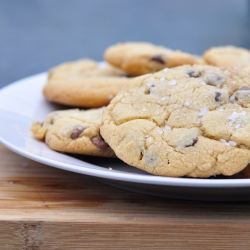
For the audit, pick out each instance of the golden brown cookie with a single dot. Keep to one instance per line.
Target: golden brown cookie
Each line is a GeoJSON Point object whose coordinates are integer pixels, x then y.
{"type": "Point", "coordinates": [186, 121]}
{"type": "Point", "coordinates": [84, 83]}
{"type": "Point", "coordinates": [73, 131]}
{"type": "Point", "coordinates": [140, 58]}
{"type": "Point", "coordinates": [228, 56]}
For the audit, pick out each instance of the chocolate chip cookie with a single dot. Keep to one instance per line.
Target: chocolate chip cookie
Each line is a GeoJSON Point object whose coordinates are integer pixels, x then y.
{"type": "Point", "coordinates": [84, 83]}
{"type": "Point", "coordinates": [189, 121]}
{"type": "Point", "coordinates": [140, 58]}
{"type": "Point", "coordinates": [228, 56]}
{"type": "Point", "coordinates": [73, 131]}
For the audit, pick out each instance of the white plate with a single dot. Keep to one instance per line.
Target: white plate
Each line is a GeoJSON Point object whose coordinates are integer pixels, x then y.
{"type": "Point", "coordinates": [22, 102]}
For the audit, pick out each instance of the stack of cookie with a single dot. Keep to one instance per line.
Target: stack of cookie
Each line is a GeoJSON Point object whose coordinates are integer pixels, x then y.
{"type": "Point", "coordinates": [167, 112]}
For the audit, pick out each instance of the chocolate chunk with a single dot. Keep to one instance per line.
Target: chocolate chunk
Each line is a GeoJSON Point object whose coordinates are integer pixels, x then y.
{"type": "Point", "coordinates": [99, 142]}
{"type": "Point", "coordinates": [217, 96]}
{"type": "Point", "coordinates": [192, 144]}
{"type": "Point", "coordinates": [193, 72]}
{"type": "Point", "coordinates": [158, 58]}
{"type": "Point", "coordinates": [76, 132]}
{"type": "Point", "coordinates": [244, 88]}
{"type": "Point", "coordinates": [213, 79]}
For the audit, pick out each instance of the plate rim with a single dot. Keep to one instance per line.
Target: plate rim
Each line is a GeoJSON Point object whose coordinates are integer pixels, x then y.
{"type": "Point", "coordinates": [112, 174]}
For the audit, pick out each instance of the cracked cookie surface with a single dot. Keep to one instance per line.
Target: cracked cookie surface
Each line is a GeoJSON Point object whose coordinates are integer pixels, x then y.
{"type": "Point", "coordinates": [73, 131]}
{"type": "Point", "coordinates": [228, 56]}
{"type": "Point", "coordinates": [84, 83]}
{"type": "Point", "coordinates": [185, 121]}
{"type": "Point", "coordinates": [140, 58]}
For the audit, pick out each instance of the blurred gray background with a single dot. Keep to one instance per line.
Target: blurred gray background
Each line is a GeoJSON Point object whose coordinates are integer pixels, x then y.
{"type": "Point", "coordinates": [36, 35]}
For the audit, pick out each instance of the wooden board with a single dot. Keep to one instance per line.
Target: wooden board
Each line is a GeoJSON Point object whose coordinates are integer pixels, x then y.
{"type": "Point", "coordinates": [42, 207]}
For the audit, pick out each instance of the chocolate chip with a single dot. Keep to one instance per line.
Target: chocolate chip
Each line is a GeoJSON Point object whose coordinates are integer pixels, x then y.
{"type": "Point", "coordinates": [158, 58]}
{"type": "Point", "coordinates": [193, 72]}
{"type": "Point", "coordinates": [99, 142]}
{"type": "Point", "coordinates": [244, 88]}
{"type": "Point", "coordinates": [213, 79]}
{"type": "Point", "coordinates": [217, 96]}
{"type": "Point", "coordinates": [192, 144]}
{"type": "Point", "coordinates": [76, 132]}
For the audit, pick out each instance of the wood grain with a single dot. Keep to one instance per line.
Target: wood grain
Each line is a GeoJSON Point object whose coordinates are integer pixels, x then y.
{"type": "Point", "coordinates": [42, 207]}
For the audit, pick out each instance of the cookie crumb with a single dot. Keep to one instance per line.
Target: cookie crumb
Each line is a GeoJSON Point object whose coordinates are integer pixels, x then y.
{"type": "Point", "coordinates": [110, 168]}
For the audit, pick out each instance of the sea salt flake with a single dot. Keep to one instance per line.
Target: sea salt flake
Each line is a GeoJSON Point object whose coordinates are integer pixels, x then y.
{"type": "Point", "coordinates": [237, 126]}
{"type": "Point", "coordinates": [146, 136]}
{"type": "Point", "coordinates": [160, 131]}
{"type": "Point", "coordinates": [243, 113]}
{"type": "Point", "coordinates": [229, 143]}
{"type": "Point", "coordinates": [144, 109]}
{"type": "Point", "coordinates": [202, 82]}
{"type": "Point", "coordinates": [232, 143]}
{"type": "Point", "coordinates": [163, 98]}
{"type": "Point", "coordinates": [166, 128]}
{"type": "Point", "coordinates": [165, 70]}
{"type": "Point", "coordinates": [203, 111]}
{"type": "Point", "coordinates": [233, 116]}
{"type": "Point", "coordinates": [187, 103]}
{"type": "Point", "coordinates": [162, 79]}
{"type": "Point", "coordinates": [198, 120]}
{"type": "Point", "coordinates": [220, 109]}
{"type": "Point", "coordinates": [150, 83]}
{"type": "Point", "coordinates": [232, 99]}
{"type": "Point", "coordinates": [172, 82]}
{"type": "Point", "coordinates": [110, 97]}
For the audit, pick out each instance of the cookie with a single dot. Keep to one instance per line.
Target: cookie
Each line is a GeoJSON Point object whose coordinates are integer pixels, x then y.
{"type": "Point", "coordinates": [186, 121]}
{"type": "Point", "coordinates": [84, 83]}
{"type": "Point", "coordinates": [73, 131]}
{"type": "Point", "coordinates": [228, 56]}
{"type": "Point", "coordinates": [140, 58]}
